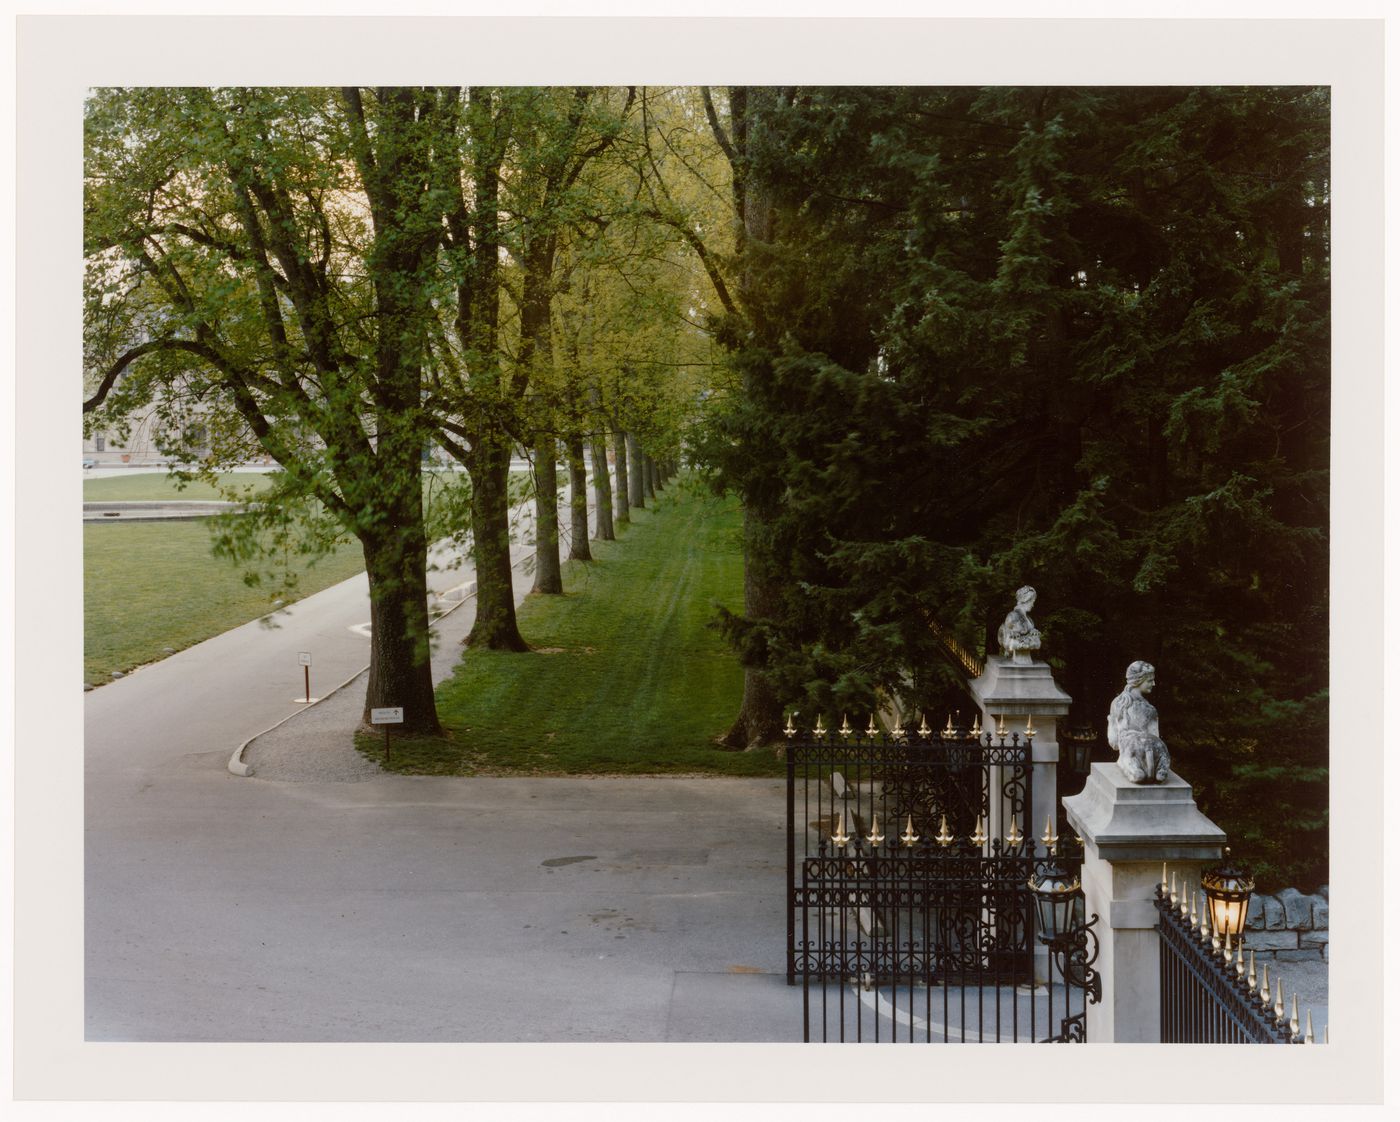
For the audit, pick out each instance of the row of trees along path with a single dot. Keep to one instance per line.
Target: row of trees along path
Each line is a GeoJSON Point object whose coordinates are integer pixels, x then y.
{"type": "Point", "coordinates": [341, 279]}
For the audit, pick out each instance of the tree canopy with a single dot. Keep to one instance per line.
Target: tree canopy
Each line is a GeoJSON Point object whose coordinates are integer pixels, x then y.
{"type": "Point", "coordinates": [260, 262]}
{"type": "Point", "coordinates": [341, 279]}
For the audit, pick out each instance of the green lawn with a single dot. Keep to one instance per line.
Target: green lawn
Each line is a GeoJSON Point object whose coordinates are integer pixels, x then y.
{"type": "Point", "coordinates": [151, 486]}
{"type": "Point", "coordinates": [626, 676]}
{"type": "Point", "coordinates": [151, 585]}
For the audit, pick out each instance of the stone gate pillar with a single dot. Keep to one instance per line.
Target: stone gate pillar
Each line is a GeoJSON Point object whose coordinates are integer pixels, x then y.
{"type": "Point", "coordinates": [1129, 830]}
{"type": "Point", "coordinates": [1012, 689]}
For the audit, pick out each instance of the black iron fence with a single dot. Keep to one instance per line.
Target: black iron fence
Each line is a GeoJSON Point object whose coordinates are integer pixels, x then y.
{"type": "Point", "coordinates": [911, 916]}
{"type": "Point", "coordinates": [1211, 993]}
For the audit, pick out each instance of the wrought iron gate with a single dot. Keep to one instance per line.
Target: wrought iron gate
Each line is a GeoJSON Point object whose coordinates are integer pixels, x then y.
{"type": "Point", "coordinates": [911, 916]}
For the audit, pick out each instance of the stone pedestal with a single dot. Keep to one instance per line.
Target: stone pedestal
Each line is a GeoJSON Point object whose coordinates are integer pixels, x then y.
{"type": "Point", "coordinates": [1012, 690]}
{"type": "Point", "coordinates": [1129, 830]}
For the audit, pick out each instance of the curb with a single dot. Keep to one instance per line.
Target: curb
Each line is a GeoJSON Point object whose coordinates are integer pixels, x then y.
{"type": "Point", "coordinates": [245, 770]}
{"type": "Point", "coordinates": [235, 762]}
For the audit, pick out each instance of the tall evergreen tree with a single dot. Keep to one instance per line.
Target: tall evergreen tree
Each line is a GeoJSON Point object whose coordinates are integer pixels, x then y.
{"type": "Point", "coordinates": [1076, 338]}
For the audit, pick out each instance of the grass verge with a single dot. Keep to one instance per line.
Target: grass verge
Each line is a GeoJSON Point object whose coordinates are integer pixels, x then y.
{"type": "Point", "coordinates": [152, 585]}
{"type": "Point", "coordinates": [626, 677]}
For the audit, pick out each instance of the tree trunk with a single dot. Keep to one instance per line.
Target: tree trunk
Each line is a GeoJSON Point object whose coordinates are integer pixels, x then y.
{"type": "Point", "coordinates": [495, 627]}
{"type": "Point", "coordinates": [620, 441]}
{"type": "Point", "coordinates": [400, 671]}
{"type": "Point", "coordinates": [602, 487]}
{"type": "Point", "coordinates": [488, 459]}
{"type": "Point", "coordinates": [760, 712]}
{"type": "Point", "coordinates": [657, 483]}
{"type": "Point", "coordinates": [648, 476]}
{"type": "Point", "coordinates": [759, 721]}
{"type": "Point", "coordinates": [549, 578]}
{"type": "Point", "coordinates": [635, 476]}
{"type": "Point", "coordinates": [395, 545]}
{"type": "Point", "coordinates": [578, 501]}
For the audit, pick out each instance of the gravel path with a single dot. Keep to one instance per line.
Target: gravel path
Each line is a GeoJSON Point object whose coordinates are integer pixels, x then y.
{"type": "Point", "coordinates": [317, 744]}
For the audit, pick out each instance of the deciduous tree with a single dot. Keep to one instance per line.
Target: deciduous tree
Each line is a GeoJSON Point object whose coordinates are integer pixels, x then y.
{"type": "Point", "coordinates": [266, 255]}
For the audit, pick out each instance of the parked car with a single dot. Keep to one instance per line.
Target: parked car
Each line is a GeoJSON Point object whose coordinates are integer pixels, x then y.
{"type": "Point", "coordinates": [89, 463]}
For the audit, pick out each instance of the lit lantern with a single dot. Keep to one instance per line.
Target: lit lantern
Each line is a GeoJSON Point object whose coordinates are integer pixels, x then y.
{"type": "Point", "coordinates": [1227, 890]}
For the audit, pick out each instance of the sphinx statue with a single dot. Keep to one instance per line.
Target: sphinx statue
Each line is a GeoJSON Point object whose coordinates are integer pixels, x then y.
{"type": "Point", "coordinates": [1017, 632]}
{"type": "Point", "coordinates": [1132, 728]}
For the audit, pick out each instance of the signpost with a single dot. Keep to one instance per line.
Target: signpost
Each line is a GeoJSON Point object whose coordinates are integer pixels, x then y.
{"type": "Point", "coordinates": [386, 717]}
{"type": "Point", "coordinates": [304, 657]}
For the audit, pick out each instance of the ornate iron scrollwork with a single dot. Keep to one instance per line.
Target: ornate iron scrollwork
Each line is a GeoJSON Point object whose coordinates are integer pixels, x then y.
{"type": "Point", "coordinates": [1076, 961]}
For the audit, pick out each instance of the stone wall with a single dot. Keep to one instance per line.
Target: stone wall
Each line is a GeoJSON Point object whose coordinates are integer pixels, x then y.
{"type": "Point", "coordinates": [1288, 927]}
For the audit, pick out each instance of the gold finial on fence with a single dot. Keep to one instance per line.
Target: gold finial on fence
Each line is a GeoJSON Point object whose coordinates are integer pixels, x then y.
{"type": "Point", "coordinates": [1030, 728]}
{"type": "Point", "coordinates": [1239, 960]}
{"type": "Point", "coordinates": [978, 837]}
{"type": "Point", "coordinates": [1308, 1036]}
{"type": "Point", "coordinates": [924, 730]}
{"type": "Point", "coordinates": [872, 730]}
{"type": "Point", "coordinates": [909, 837]}
{"type": "Point", "coordinates": [977, 725]}
{"type": "Point", "coordinates": [846, 729]}
{"type": "Point", "coordinates": [1278, 998]}
{"type": "Point", "coordinates": [875, 837]}
{"type": "Point", "coordinates": [944, 838]}
{"type": "Point", "coordinates": [1207, 933]}
{"type": "Point", "coordinates": [1293, 1025]}
{"type": "Point", "coordinates": [1015, 837]}
{"type": "Point", "coordinates": [1171, 893]}
{"type": "Point", "coordinates": [839, 837]}
{"type": "Point", "coordinates": [819, 730]}
{"type": "Point", "coordinates": [1263, 994]}
{"type": "Point", "coordinates": [1193, 911]}
{"type": "Point", "coordinates": [789, 729]}
{"type": "Point", "coordinates": [1253, 978]}
{"type": "Point", "coordinates": [1050, 839]}
{"type": "Point", "coordinates": [1001, 727]}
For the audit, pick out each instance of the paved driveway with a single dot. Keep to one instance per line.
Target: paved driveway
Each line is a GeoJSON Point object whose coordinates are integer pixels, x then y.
{"type": "Point", "coordinates": [221, 908]}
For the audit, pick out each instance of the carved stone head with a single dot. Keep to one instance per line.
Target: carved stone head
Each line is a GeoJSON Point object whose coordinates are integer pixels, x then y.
{"type": "Point", "coordinates": [1141, 676]}
{"type": "Point", "coordinates": [1025, 597]}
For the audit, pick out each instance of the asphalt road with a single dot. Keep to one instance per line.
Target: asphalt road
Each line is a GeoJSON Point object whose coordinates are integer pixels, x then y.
{"type": "Point", "coordinates": [221, 908]}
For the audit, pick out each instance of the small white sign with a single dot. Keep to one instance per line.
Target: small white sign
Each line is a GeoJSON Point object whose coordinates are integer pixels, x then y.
{"type": "Point", "coordinates": [304, 658]}
{"type": "Point", "coordinates": [386, 716]}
